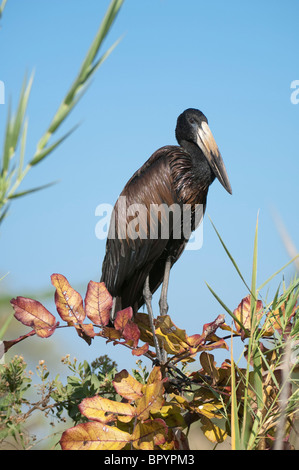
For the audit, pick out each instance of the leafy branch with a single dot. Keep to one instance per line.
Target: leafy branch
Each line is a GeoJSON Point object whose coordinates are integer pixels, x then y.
{"type": "Point", "coordinates": [2, 6]}
{"type": "Point", "coordinates": [157, 412]}
{"type": "Point", "coordinates": [12, 175]}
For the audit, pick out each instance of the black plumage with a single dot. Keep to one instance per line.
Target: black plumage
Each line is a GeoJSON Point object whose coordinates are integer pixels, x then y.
{"type": "Point", "coordinates": [179, 175]}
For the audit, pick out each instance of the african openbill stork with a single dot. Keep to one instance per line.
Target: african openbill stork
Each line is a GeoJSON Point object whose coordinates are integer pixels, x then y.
{"type": "Point", "coordinates": [136, 265]}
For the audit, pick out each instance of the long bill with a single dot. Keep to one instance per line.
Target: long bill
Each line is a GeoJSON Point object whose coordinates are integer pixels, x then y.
{"type": "Point", "coordinates": [207, 144]}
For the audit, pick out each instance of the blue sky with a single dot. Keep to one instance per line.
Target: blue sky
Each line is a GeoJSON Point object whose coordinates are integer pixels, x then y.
{"type": "Point", "coordinates": [233, 60]}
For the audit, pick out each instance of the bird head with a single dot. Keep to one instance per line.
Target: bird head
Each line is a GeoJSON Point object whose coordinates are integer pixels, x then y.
{"type": "Point", "coordinates": [192, 126]}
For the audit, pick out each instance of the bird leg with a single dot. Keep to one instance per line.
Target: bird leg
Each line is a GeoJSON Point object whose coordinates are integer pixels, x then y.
{"type": "Point", "coordinates": [148, 300]}
{"type": "Point", "coordinates": [163, 298]}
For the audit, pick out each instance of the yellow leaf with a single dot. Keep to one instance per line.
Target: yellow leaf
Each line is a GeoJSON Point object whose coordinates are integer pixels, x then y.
{"type": "Point", "coordinates": [181, 400]}
{"type": "Point", "coordinates": [172, 414]}
{"type": "Point", "coordinates": [175, 340]}
{"type": "Point", "coordinates": [94, 436]}
{"type": "Point", "coordinates": [212, 432]}
{"type": "Point", "coordinates": [155, 375]}
{"type": "Point", "coordinates": [95, 408]}
{"type": "Point", "coordinates": [148, 434]}
{"type": "Point", "coordinates": [126, 386]}
{"type": "Point", "coordinates": [152, 400]}
{"type": "Point", "coordinates": [210, 410]}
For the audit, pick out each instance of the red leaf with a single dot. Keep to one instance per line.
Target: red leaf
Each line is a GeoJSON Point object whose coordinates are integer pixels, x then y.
{"type": "Point", "coordinates": [131, 333]}
{"type": "Point", "coordinates": [122, 318]}
{"type": "Point", "coordinates": [85, 332]}
{"type": "Point", "coordinates": [198, 341]}
{"type": "Point", "coordinates": [141, 350]}
{"type": "Point", "coordinates": [98, 303]}
{"type": "Point", "coordinates": [32, 313]}
{"type": "Point", "coordinates": [8, 344]}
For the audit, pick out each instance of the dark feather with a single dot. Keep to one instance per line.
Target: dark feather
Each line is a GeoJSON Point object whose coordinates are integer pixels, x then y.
{"type": "Point", "coordinates": [172, 175]}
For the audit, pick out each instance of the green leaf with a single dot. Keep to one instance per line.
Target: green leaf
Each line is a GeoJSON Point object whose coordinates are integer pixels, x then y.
{"type": "Point", "coordinates": [40, 155]}
{"type": "Point", "coordinates": [236, 438]}
{"type": "Point", "coordinates": [16, 127]}
{"type": "Point", "coordinates": [21, 110]}
{"type": "Point", "coordinates": [6, 324]}
{"type": "Point", "coordinates": [277, 272]}
{"type": "Point", "coordinates": [33, 190]}
{"type": "Point", "coordinates": [254, 271]}
{"type": "Point", "coordinates": [2, 7]}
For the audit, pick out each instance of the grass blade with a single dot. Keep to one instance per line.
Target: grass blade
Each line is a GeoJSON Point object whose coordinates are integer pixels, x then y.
{"type": "Point", "coordinates": [23, 147]}
{"type": "Point", "coordinates": [33, 190]}
{"type": "Point", "coordinates": [277, 272]}
{"type": "Point", "coordinates": [230, 256]}
{"type": "Point", "coordinates": [236, 441]}
{"type": "Point", "coordinates": [39, 156]}
{"type": "Point", "coordinates": [225, 307]}
{"type": "Point", "coordinates": [16, 127]}
{"type": "Point", "coordinates": [2, 7]}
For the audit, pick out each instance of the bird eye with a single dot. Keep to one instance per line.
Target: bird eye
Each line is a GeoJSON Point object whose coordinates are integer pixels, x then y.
{"type": "Point", "coordinates": [191, 120]}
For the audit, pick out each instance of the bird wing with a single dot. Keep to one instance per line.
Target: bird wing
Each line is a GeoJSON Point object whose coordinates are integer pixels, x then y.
{"type": "Point", "coordinates": [128, 261]}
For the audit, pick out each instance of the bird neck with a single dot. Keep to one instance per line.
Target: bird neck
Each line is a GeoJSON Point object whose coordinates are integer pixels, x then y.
{"type": "Point", "coordinates": [203, 173]}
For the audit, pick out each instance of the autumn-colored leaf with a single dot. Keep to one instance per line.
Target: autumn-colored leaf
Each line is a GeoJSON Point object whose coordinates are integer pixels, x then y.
{"type": "Point", "coordinates": [220, 344]}
{"type": "Point", "coordinates": [209, 329]}
{"type": "Point", "coordinates": [128, 329]}
{"type": "Point", "coordinates": [94, 436]}
{"type": "Point", "coordinates": [131, 333]}
{"type": "Point", "coordinates": [179, 439]}
{"type": "Point", "coordinates": [9, 343]}
{"type": "Point", "coordinates": [211, 431]}
{"type": "Point", "coordinates": [243, 314]}
{"type": "Point", "coordinates": [68, 302]}
{"type": "Point", "coordinates": [141, 350]}
{"type": "Point", "coordinates": [155, 375]}
{"type": "Point", "coordinates": [151, 401]}
{"type": "Point", "coordinates": [85, 332]}
{"type": "Point", "coordinates": [88, 330]}
{"type": "Point", "coordinates": [208, 364]}
{"type": "Point", "coordinates": [172, 414]}
{"type": "Point", "coordinates": [98, 303]}
{"type": "Point", "coordinates": [142, 320]}
{"type": "Point", "coordinates": [126, 386]}
{"type": "Point", "coordinates": [148, 434]}
{"type": "Point", "coordinates": [182, 401]}
{"type": "Point", "coordinates": [111, 334]}
{"type": "Point", "coordinates": [211, 410]}
{"type": "Point", "coordinates": [174, 339]}
{"type": "Point", "coordinates": [122, 317]}
{"type": "Point", "coordinates": [104, 410]}
{"type": "Point", "coordinates": [32, 313]}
